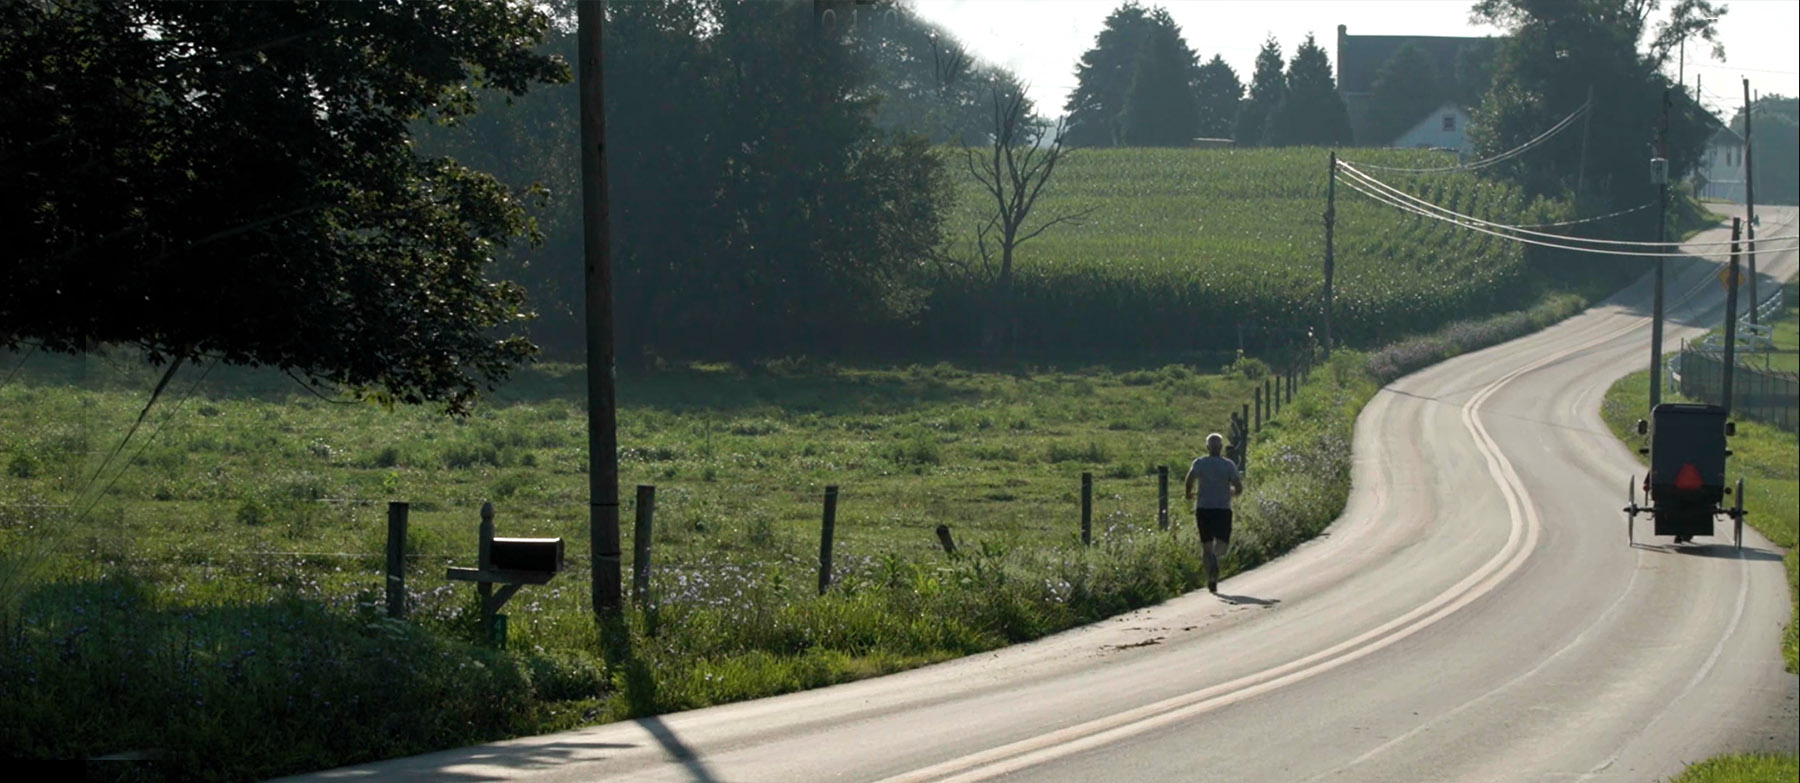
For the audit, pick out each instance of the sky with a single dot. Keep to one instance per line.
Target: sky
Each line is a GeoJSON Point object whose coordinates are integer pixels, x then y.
{"type": "Point", "coordinates": [1041, 40]}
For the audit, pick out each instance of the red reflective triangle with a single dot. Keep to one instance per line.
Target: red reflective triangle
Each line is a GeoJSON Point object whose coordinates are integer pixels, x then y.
{"type": "Point", "coordinates": [1689, 479]}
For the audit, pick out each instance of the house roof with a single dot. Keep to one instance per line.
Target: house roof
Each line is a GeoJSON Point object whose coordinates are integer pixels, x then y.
{"type": "Point", "coordinates": [1360, 57]}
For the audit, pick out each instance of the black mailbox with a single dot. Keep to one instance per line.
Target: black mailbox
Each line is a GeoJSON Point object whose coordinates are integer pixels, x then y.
{"type": "Point", "coordinates": [541, 555]}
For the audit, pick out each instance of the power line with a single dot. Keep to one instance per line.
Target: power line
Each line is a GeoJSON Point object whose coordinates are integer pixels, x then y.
{"type": "Point", "coordinates": [1504, 156]}
{"type": "Point", "coordinates": [1403, 195]}
{"type": "Point", "coordinates": [1458, 220]}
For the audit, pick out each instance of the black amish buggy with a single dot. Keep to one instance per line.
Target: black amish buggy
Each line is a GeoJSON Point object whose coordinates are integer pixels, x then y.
{"type": "Point", "coordinates": [1685, 488]}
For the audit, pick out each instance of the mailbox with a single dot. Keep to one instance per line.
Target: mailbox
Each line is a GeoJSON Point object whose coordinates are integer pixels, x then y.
{"type": "Point", "coordinates": [541, 555]}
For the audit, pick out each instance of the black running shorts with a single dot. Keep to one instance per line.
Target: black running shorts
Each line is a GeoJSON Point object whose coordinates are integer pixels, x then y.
{"type": "Point", "coordinates": [1214, 523]}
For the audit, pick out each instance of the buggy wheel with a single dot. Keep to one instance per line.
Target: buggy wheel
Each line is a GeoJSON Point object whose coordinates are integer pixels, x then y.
{"type": "Point", "coordinates": [1737, 516]}
{"type": "Point", "coordinates": [1631, 510]}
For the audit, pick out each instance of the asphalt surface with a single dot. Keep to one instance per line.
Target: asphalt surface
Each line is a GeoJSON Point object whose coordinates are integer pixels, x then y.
{"type": "Point", "coordinates": [1475, 615]}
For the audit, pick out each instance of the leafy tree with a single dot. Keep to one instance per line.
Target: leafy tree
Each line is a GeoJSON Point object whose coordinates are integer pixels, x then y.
{"type": "Point", "coordinates": [1311, 112]}
{"type": "Point", "coordinates": [1775, 154]}
{"type": "Point", "coordinates": [1217, 92]}
{"type": "Point", "coordinates": [236, 180]}
{"type": "Point", "coordinates": [929, 83]}
{"type": "Point", "coordinates": [756, 206]}
{"type": "Point", "coordinates": [1161, 109]}
{"type": "Point", "coordinates": [1474, 72]}
{"type": "Point", "coordinates": [1405, 89]}
{"type": "Point", "coordinates": [1106, 72]}
{"type": "Point", "coordinates": [1267, 89]}
{"type": "Point", "coordinates": [1555, 53]}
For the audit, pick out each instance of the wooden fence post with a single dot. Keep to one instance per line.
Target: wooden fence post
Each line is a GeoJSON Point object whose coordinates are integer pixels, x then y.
{"type": "Point", "coordinates": [1162, 497]}
{"type": "Point", "coordinates": [396, 560]}
{"type": "Point", "coordinates": [1087, 508]}
{"type": "Point", "coordinates": [484, 561]}
{"type": "Point", "coordinates": [825, 534]}
{"type": "Point", "coordinates": [640, 544]}
{"type": "Point", "coordinates": [944, 540]}
{"type": "Point", "coordinates": [1259, 411]}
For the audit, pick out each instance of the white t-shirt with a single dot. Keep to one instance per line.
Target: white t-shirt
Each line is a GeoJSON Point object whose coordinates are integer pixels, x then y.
{"type": "Point", "coordinates": [1214, 476]}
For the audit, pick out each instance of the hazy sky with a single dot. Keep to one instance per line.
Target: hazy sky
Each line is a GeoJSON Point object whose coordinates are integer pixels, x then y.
{"type": "Point", "coordinates": [1041, 40]}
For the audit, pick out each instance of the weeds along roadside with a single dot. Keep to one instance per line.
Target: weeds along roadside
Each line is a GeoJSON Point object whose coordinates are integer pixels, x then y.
{"type": "Point", "coordinates": [205, 677]}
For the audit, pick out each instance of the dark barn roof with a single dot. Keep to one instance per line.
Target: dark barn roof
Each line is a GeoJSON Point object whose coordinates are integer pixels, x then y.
{"type": "Point", "coordinates": [1360, 57]}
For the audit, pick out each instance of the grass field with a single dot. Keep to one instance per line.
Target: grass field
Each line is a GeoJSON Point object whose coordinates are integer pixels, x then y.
{"type": "Point", "coordinates": [1182, 246]}
{"type": "Point", "coordinates": [233, 565]}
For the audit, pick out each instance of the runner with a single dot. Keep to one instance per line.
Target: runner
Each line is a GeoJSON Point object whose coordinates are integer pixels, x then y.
{"type": "Point", "coordinates": [1219, 481]}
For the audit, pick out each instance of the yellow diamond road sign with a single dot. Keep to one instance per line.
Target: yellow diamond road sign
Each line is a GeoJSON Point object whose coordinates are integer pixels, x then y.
{"type": "Point", "coordinates": [1727, 273]}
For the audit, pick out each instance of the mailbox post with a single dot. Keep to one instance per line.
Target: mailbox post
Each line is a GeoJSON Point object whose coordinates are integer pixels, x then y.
{"type": "Point", "coordinates": [510, 563]}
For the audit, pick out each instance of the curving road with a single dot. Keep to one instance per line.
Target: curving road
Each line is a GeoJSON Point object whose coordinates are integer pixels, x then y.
{"type": "Point", "coordinates": [1475, 615]}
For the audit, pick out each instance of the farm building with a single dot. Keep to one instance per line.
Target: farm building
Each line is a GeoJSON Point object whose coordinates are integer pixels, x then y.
{"type": "Point", "coordinates": [1721, 170]}
{"type": "Point", "coordinates": [1461, 64]}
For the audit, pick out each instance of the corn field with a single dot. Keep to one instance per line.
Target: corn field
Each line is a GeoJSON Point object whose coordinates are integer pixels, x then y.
{"type": "Point", "coordinates": [1184, 246]}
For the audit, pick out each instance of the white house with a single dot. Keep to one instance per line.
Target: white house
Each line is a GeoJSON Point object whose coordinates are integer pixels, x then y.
{"type": "Point", "coordinates": [1444, 128]}
{"type": "Point", "coordinates": [1721, 169]}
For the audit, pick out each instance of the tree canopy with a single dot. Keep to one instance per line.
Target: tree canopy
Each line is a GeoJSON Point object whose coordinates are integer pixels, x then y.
{"type": "Point", "coordinates": [1160, 108]}
{"type": "Point", "coordinates": [1554, 55]}
{"type": "Point", "coordinates": [929, 82]}
{"type": "Point", "coordinates": [1406, 88]}
{"type": "Point", "coordinates": [1267, 89]}
{"type": "Point", "coordinates": [236, 180]}
{"type": "Point", "coordinates": [1775, 147]}
{"type": "Point", "coordinates": [1106, 73]}
{"type": "Point", "coordinates": [1310, 112]}
{"type": "Point", "coordinates": [1217, 92]}
{"type": "Point", "coordinates": [758, 208]}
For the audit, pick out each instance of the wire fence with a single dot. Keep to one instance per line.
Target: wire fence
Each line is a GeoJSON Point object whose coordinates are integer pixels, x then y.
{"type": "Point", "coordinates": [1769, 396]}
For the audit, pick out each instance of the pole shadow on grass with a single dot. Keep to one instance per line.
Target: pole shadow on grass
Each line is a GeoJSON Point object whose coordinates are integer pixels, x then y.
{"type": "Point", "coordinates": [641, 697]}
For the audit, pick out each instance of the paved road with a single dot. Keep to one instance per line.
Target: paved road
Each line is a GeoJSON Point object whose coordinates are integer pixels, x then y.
{"type": "Point", "coordinates": [1475, 615]}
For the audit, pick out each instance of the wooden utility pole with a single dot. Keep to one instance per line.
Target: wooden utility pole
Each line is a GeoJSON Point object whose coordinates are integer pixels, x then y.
{"type": "Point", "coordinates": [1330, 221]}
{"type": "Point", "coordinates": [1587, 119]}
{"type": "Point", "coordinates": [1731, 290]}
{"type": "Point", "coordinates": [603, 423]}
{"type": "Point", "coordinates": [1659, 174]}
{"type": "Point", "coordinates": [1749, 205]}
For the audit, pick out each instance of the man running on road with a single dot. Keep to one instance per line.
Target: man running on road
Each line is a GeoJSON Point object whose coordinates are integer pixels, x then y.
{"type": "Point", "coordinates": [1219, 481]}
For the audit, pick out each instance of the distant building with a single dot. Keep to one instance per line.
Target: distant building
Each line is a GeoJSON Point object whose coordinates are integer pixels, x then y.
{"type": "Point", "coordinates": [1360, 57]}
{"type": "Point", "coordinates": [1444, 128]}
{"type": "Point", "coordinates": [1721, 169]}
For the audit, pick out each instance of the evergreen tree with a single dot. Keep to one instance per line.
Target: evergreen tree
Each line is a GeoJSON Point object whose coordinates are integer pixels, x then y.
{"type": "Point", "coordinates": [1311, 112]}
{"type": "Point", "coordinates": [1104, 77]}
{"type": "Point", "coordinates": [1217, 92]}
{"type": "Point", "coordinates": [1406, 88]}
{"type": "Point", "coordinates": [1267, 88]}
{"type": "Point", "coordinates": [1160, 109]}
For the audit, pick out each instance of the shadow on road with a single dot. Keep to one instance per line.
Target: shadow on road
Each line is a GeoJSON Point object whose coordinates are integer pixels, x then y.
{"type": "Point", "coordinates": [1246, 599]}
{"type": "Point", "coordinates": [677, 749]}
{"type": "Point", "coordinates": [1720, 551]}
